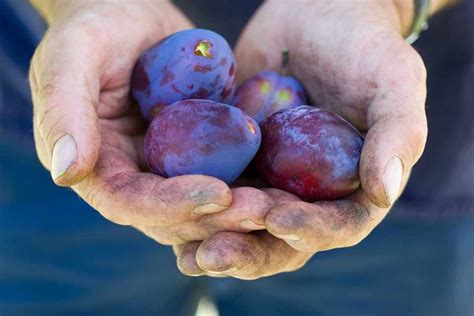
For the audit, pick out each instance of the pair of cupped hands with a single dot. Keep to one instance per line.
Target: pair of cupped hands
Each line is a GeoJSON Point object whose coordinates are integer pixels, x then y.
{"type": "Point", "coordinates": [352, 59]}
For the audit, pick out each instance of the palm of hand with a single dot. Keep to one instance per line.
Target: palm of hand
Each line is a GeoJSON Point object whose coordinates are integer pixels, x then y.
{"type": "Point", "coordinates": [80, 79]}
{"type": "Point", "coordinates": [352, 62]}
{"type": "Point", "coordinates": [94, 68]}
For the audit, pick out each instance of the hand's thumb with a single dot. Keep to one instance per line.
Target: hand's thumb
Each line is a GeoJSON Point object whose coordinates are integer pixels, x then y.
{"type": "Point", "coordinates": [397, 131]}
{"type": "Point", "coordinates": [65, 89]}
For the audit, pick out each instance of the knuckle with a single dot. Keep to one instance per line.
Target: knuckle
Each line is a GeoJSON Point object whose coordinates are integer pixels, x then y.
{"type": "Point", "coordinates": [419, 137]}
{"type": "Point", "coordinates": [416, 65]}
{"type": "Point", "coordinates": [420, 127]}
{"type": "Point", "coordinates": [84, 28]}
{"type": "Point", "coordinates": [287, 221]}
{"type": "Point", "coordinates": [112, 193]}
{"type": "Point", "coordinates": [164, 215]}
{"type": "Point", "coordinates": [343, 224]}
{"type": "Point", "coordinates": [50, 116]}
{"type": "Point", "coordinates": [41, 150]}
{"type": "Point", "coordinates": [32, 78]}
{"type": "Point", "coordinates": [405, 70]}
{"type": "Point", "coordinates": [51, 127]}
{"type": "Point", "coordinates": [95, 196]}
{"type": "Point", "coordinates": [164, 193]}
{"type": "Point", "coordinates": [413, 139]}
{"type": "Point", "coordinates": [354, 234]}
{"type": "Point", "coordinates": [49, 89]}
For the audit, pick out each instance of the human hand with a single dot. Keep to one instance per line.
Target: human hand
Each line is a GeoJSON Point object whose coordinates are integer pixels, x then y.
{"type": "Point", "coordinates": [247, 256]}
{"type": "Point", "coordinates": [352, 60]}
{"type": "Point", "coordinates": [89, 134]}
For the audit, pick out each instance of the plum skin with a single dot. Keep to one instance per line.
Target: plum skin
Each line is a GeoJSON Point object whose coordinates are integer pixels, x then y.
{"type": "Point", "coordinates": [190, 64]}
{"type": "Point", "coordinates": [201, 137]}
{"type": "Point", "coordinates": [310, 152]}
{"type": "Point", "coordinates": [268, 92]}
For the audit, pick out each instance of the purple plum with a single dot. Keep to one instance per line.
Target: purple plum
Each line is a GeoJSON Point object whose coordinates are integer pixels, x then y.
{"type": "Point", "coordinates": [310, 152]}
{"type": "Point", "coordinates": [268, 92]}
{"type": "Point", "coordinates": [201, 137]}
{"type": "Point", "coordinates": [191, 64]}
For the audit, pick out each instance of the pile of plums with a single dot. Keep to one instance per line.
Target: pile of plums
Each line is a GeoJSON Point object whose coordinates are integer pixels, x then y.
{"type": "Point", "coordinates": [200, 124]}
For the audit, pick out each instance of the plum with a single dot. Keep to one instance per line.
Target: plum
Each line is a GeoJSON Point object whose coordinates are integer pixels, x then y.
{"type": "Point", "coordinates": [310, 152]}
{"type": "Point", "coordinates": [190, 64]}
{"type": "Point", "coordinates": [268, 92]}
{"type": "Point", "coordinates": [201, 137]}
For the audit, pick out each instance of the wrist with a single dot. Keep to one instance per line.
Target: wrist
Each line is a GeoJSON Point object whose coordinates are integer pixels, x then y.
{"type": "Point", "coordinates": [406, 14]}
{"type": "Point", "coordinates": [406, 11]}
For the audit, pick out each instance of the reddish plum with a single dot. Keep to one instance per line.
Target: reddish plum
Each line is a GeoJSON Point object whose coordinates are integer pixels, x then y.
{"type": "Point", "coordinates": [191, 64]}
{"type": "Point", "coordinates": [268, 92]}
{"type": "Point", "coordinates": [310, 152]}
{"type": "Point", "coordinates": [201, 137]}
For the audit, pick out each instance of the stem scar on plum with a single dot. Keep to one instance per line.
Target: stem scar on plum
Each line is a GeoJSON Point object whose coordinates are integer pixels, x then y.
{"type": "Point", "coordinates": [203, 49]}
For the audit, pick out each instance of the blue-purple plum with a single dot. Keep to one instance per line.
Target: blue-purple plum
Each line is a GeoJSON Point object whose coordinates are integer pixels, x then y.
{"type": "Point", "coordinates": [268, 92]}
{"type": "Point", "coordinates": [201, 137]}
{"type": "Point", "coordinates": [310, 152]}
{"type": "Point", "coordinates": [191, 64]}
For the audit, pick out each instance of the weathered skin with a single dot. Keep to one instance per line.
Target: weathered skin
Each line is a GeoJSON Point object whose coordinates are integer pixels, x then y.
{"type": "Point", "coordinates": [191, 64]}
{"type": "Point", "coordinates": [310, 152]}
{"type": "Point", "coordinates": [269, 92]}
{"type": "Point", "coordinates": [201, 137]}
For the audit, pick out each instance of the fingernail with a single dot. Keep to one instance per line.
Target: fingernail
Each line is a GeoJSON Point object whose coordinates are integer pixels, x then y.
{"type": "Point", "coordinates": [208, 209]}
{"type": "Point", "coordinates": [64, 155]}
{"type": "Point", "coordinates": [392, 179]}
{"type": "Point", "coordinates": [248, 224]}
{"type": "Point", "coordinates": [290, 237]}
